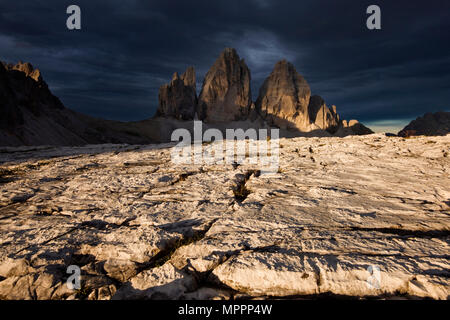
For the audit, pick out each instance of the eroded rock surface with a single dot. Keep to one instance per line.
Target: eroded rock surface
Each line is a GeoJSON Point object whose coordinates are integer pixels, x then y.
{"type": "Point", "coordinates": [142, 227]}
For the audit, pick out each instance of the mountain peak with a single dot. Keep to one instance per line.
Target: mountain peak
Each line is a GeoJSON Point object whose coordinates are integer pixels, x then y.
{"type": "Point", "coordinates": [178, 98]}
{"type": "Point", "coordinates": [226, 93]}
{"type": "Point", "coordinates": [26, 68]}
{"type": "Point", "coordinates": [284, 97]}
{"type": "Point", "coordinates": [229, 52]}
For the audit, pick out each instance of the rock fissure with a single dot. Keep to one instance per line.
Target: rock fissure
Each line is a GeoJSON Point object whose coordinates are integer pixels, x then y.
{"type": "Point", "coordinates": [167, 252]}
{"type": "Point", "coordinates": [240, 190]}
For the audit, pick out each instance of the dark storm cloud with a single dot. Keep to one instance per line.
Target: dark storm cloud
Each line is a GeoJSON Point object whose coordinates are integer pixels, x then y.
{"type": "Point", "coordinates": [113, 67]}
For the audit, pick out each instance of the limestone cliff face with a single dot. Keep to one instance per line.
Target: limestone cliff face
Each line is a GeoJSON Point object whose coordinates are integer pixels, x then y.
{"type": "Point", "coordinates": [178, 99]}
{"type": "Point", "coordinates": [226, 93]}
{"type": "Point", "coordinates": [323, 117]}
{"type": "Point", "coordinates": [284, 98]}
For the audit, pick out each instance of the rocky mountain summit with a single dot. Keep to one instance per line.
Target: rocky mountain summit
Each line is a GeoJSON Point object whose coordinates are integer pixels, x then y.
{"type": "Point", "coordinates": [22, 91]}
{"type": "Point", "coordinates": [177, 98]}
{"type": "Point", "coordinates": [27, 69]}
{"type": "Point", "coordinates": [284, 99]}
{"type": "Point", "coordinates": [226, 94]}
{"type": "Point", "coordinates": [430, 124]}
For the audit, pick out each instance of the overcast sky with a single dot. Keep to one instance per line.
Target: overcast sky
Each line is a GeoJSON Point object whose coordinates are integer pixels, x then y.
{"type": "Point", "coordinates": [112, 67]}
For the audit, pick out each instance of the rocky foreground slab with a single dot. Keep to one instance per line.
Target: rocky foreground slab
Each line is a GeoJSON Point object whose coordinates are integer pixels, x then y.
{"type": "Point", "coordinates": [141, 227]}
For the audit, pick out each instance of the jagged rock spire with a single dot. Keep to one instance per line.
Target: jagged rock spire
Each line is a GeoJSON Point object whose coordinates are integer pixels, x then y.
{"type": "Point", "coordinates": [284, 97]}
{"type": "Point", "coordinates": [178, 99]}
{"type": "Point", "coordinates": [226, 93]}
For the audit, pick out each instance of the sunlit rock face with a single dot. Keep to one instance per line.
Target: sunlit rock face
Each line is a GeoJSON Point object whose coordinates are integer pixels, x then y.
{"type": "Point", "coordinates": [27, 69]}
{"type": "Point", "coordinates": [226, 93]}
{"type": "Point", "coordinates": [284, 97]}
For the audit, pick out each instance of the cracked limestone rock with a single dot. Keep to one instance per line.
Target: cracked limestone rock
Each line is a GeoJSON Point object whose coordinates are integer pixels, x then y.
{"type": "Point", "coordinates": [142, 227]}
